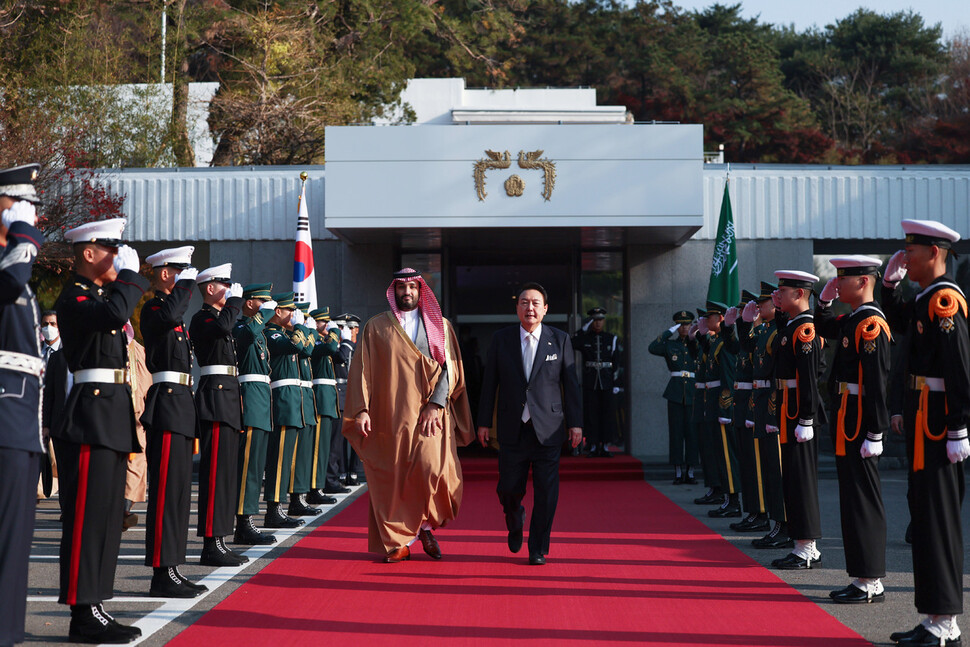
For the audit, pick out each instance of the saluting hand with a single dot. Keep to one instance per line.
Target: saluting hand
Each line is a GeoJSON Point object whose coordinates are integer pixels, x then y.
{"type": "Point", "coordinates": [895, 269]}
{"type": "Point", "coordinates": [731, 316]}
{"type": "Point", "coordinates": [751, 311]}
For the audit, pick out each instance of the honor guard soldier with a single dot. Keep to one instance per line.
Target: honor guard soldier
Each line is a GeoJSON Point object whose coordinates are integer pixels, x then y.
{"type": "Point", "coordinates": [21, 367]}
{"type": "Point", "coordinates": [325, 395]}
{"type": "Point", "coordinates": [797, 353]}
{"type": "Point", "coordinates": [719, 408]}
{"type": "Point", "coordinates": [301, 477]}
{"type": "Point", "coordinates": [758, 332]}
{"type": "Point", "coordinates": [715, 493]}
{"type": "Point", "coordinates": [286, 342]}
{"type": "Point", "coordinates": [220, 412]}
{"type": "Point", "coordinates": [98, 432]}
{"type": "Point", "coordinates": [861, 371]}
{"type": "Point", "coordinates": [679, 394]}
{"type": "Point", "coordinates": [601, 355]}
{"type": "Point", "coordinates": [936, 411]}
{"type": "Point", "coordinates": [752, 501]}
{"type": "Point", "coordinates": [170, 421]}
{"type": "Point", "coordinates": [257, 408]}
{"type": "Point", "coordinates": [342, 456]}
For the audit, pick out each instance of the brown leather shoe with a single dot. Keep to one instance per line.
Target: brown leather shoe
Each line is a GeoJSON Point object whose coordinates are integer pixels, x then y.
{"type": "Point", "coordinates": [430, 544]}
{"type": "Point", "coordinates": [398, 555]}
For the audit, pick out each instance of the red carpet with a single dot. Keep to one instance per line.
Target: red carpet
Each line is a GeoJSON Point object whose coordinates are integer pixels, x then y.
{"type": "Point", "coordinates": [627, 566]}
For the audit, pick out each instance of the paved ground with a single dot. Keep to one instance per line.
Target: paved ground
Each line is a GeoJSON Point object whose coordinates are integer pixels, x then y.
{"type": "Point", "coordinates": [874, 622]}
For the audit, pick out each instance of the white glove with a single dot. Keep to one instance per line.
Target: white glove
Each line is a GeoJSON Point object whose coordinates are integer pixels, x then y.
{"type": "Point", "coordinates": [702, 326]}
{"type": "Point", "coordinates": [127, 259]}
{"type": "Point", "coordinates": [871, 448]}
{"type": "Point", "coordinates": [895, 269]}
{"type": "Point", "coordinates": [957, 450]}
{"type": "Point", "coordinates": [692, 331]}
{"type": "Point", "coordinates": [20, 211]}
{"type": "Point", "coordinates": [345, 334]}
{"type": "Point", "coordinates": [267, 305]}
{"type": "Point", "coordinates": [331, 326]}
{"type": "Point", "coordinates": [771, 429]}
{"type": "Point", "coordinates": [673, 329]}
{"type": "Point", "coordinates": [731, 315]}
{"type": "Point", "coordinates": [751, 311]}
{"type": "Point", "coordinates": [776, 299]}
{"type": "Point", "coordinates": [749, 424]}
{"type": "Point", "coordinates": [188, 274]}
{"type": "Point", "coordinates": [830, 292]}
{"type": "Point", "coordinates": [298, 318]}
{"type": "Point", "coordinates": [586, 325]}
{"type": "Point", "coordinates": [235, 290]}
{"type": "Point", "coordinates": [724, 421]}
{"type": "Point", "coordinates": [616, 390]}
{"type": "Point", "coordinates": [804, 434]}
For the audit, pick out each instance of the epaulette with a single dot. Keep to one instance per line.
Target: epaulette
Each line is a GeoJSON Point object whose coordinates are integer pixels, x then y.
{"type": "Point", "coordinates": [804, 335]}
{"type": "Point", "coordinates": [869, 330]}
{"type": "Point", "coordinates": [945, 303]}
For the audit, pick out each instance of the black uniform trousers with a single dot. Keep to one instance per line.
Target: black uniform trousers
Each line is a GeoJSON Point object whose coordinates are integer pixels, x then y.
{"type": "Point", "coordinates": [92, 494]}
{"type": "Point", "coordinates": [514, 462]}
{"type": "Point", "coordinates": [18, 498]}
{"type": "Point", "coordinates": [749, 467]}
{"type": "Point", "coordinates": [252, 463]}
{"type": "Point", "coordinates": [725, 456]}
{"type": "Point", "coordinates": [599, 413]}
{"type": "Point", "coordinates": [218, 462]}
{"type": "Point", "coordinates": [683, 434]}
{"type": "Point", "coordinates": [935, 499]}
{"type": "Point", "coordinates": [321, 452]}
{"type": "Point", "coordinates": [769, 453]}
{"type": "Point", "coordinates": [169, 497]}
{"type": "Point", "coordinates": [279, 462]}
{"type": "Point", "coordinates": [861, 509]}
{"type": "Point", "coordinates": [706, 442]}
{"type": "Point", "coordinates": [302, 473]}
{"type": "Point", "coordinates": [336, 459]}
{"type": "Point", "coordinates": [799, 471]}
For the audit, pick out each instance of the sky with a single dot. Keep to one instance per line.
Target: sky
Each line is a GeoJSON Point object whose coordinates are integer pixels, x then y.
{"type": "Point", "coordinates": [954, 15]}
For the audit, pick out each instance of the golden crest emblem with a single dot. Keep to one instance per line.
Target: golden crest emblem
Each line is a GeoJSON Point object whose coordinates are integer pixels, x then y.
{"type": "Point", "coordinates": [515, 186]}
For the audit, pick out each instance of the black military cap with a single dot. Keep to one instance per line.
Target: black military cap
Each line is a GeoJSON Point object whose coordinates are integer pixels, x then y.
{"type": "Point", "coordinates": [597, 313]}
{"type": "Point", "coordinates": [683, 317]}
{"type": "Point", "coordinates": [766, 290]}
{"type": "Point", "coordinates": [18, 183]}
{"type": "Point", "coordinates": [716, 308]}
{"type": "Point", "coordinates": [747, 296]}
{"type": "Point", "coordinates": [701, 312]}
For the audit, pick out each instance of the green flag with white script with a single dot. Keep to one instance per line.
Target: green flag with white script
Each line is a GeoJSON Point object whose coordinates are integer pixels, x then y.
{"type": "Point", "coordinates": [724, 287]}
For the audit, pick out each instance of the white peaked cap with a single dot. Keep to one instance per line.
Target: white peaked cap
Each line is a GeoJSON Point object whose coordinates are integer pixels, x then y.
{"type": "Point", "coordinates": [795, 278]}
{"type": "Point", "coordinates": [929, 232]}
{"type": "Point", "coordinates": [220, 273]}
{"type": "Point", "coordinates": [177, 256]}
{"type": "Point", "coordinates": [103, 232]}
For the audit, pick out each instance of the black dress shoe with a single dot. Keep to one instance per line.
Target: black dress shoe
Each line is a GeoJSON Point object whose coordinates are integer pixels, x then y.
{"type": "Point", "coordinates": [336, 489]}
{"type": "Point", "coordinates": [135, 632]}
{"type": "Point", "coordinates": [247, 534]}
{"type": "Point", "coordinates": [779, 540]}
{"type": "Point", "coordinates": [429, 544]}
{"type": "Point", "coordinates": [166, 584]}
{"type": "Point", "coordinates": [921, 637]}
{"type": "Point", "coordinates": [678, 480]}
{"type": "Point", "coordinates": [515, 540]}
{"type": "Point", "coordinates": [276, 519]}
{"type": "Point", "coordinates": [201, 588]}
{"type": "Point", "coordinates": [725, 511]}
{"type": "Point", "coordinates": [299, 508]}
{"type": "Point", "coordinates": [854, 595]}
{"type": "Point", "coordinates": [690, 480]}
{"type": "Point", "coordinates": [712, 497]}
{"type": "Point", "coordinates": [351, 480]}
{"type": "Point", "coordinates": [317, 497]}
{"type": "Point", "coordinates": [537, 559]}
{"type": "Point", "coordinates": [90, 625]}
{"type": "Point", "coordinates": [792, 562]}
{"type": "Point", "coordinates": [751, 525]}
{"type": "Point", "coordinates": [214, 554]}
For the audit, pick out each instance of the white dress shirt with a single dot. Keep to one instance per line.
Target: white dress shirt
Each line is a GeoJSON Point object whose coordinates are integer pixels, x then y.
{"type": "Point", "coordinates": [411, 324]}
{"type": "Point", "coordinates": [523, 336]}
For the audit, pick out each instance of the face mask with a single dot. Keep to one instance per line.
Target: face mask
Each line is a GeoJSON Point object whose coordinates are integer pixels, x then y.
{"type": "Point", "coordinates": [50, 333]}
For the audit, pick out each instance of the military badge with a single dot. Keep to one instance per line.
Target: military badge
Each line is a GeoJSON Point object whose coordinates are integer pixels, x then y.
{"type": "Point", "coordinates": [919, 327]}
{"type": "Point", "coordinates": [946, 324]}
{"type": "Point", "coordinates": [673, 358]}
{"type": "Point", "coordinates": [869, 346]}
{"type": "Point", "coordinates": [784, 340]}
{"type": "Point", "coordinates": [845, 342]}
{"type": "Point", "coordinates": [807, 347]}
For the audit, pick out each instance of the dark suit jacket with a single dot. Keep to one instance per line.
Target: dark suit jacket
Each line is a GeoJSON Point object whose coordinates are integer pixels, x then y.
{"type": "Point", "coordinates": [552, 390]}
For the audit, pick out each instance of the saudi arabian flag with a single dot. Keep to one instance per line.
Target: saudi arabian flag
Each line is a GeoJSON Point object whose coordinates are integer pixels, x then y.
{"type": "Point", "coordinates": [723, 287]}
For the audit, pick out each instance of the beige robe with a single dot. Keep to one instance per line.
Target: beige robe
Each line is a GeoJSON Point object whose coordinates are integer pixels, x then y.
{"type": "Point", "coordinates": [136, 478]}
{"type": "Point", "coordinates": [411, 478]}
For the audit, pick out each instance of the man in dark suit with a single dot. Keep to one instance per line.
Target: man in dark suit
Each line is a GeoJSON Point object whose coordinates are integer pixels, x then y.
{"type": "Point", "coordinates": [531, 366]}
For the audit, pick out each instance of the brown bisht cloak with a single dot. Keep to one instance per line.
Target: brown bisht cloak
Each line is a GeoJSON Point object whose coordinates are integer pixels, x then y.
{"type": "Point", "coordinates": [411, 478]}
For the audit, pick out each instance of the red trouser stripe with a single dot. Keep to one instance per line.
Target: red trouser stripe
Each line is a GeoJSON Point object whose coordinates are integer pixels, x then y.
{"type": "Point", "coordinates": [84, 462]}
{"type": "Point", "coordinates": [160, 506]}
{"type": "Point", "coordinates": [213, 462]}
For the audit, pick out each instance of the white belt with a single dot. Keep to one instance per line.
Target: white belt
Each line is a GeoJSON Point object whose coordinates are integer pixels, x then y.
{"type": "Point", "coordinates": [935, 383]}
{"type": "Point", "coordinates": [254, 377]}
{"type": "Point", "coordinates": [172, 376]}
{"type": "Point", "coordinates": [786, 384]}
{"type": "Point", "coordinates": [681, 374]}
{"type": "Point", "coordinates": [850, 387]}
{"type": "Point", "coordinates": [743, 385]}
{"type": "Point", "coordinates": [326, 381]}
{"type": "Point", "coordinates": [341, 380]}
{"type": "Point", "coordinates": [762, 384]}
{"type": "Point", "coordinates": [101, 375]}
{"type": "Point", "coordinates": [21, 363]}
{"type": "Point", "coordinates": [712, 385]}
{"type": "Point", "coordinates": [699, 385]}
{"type": "Point", "coordinates": [306, 384]}
{"type": "Point", "coordinates": [219, 369]}
{"type": "Point", "coordinates": [287, 382]}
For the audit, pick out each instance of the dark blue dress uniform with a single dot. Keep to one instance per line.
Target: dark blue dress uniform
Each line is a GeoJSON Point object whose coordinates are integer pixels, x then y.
{"type": "Point", "coordinates": [219, 409]}
{"type": "Point", "coordinates": [679, 392]}
{"type": "Point", "coordinates": [93, 444]}
{"type": "Point", "coordinates": [20, 439]}
{"type": "Point", "coordinates": [170, 425]}
{"type": "Point", "coordinates": [861, 373]}
{"type": "Point", "coordinates": [601, 354]}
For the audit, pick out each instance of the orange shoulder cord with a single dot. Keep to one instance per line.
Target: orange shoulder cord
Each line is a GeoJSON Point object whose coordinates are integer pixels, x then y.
{"type": "Point", "coordinates": [867, 330]}
{"type": "Point", "coordinates": [946, 302]}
